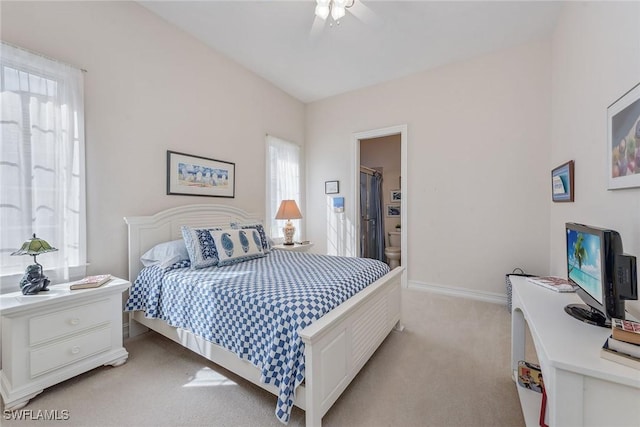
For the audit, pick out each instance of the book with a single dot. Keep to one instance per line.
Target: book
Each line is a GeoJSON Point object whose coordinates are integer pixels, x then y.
{"type": "Point", "coordinates": [530, 376]}
{"type": "Point", "coordinates": [624, 347]}
{"type": "Point", "coordinates": [618, 357]}
{"type": "Point", "coordinates": [626, 330]}
{"type": "Point", "coordinates": [557, 284]}
{"type": "Point", "coordinates": [91, 282]}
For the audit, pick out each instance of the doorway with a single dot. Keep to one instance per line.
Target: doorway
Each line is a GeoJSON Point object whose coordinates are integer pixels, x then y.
{"type": "Point", "coordinates": [392, 197]}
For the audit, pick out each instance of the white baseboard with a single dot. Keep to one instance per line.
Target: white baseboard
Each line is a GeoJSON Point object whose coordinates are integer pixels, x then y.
{"type": "Point", "coordinates": [491, 297]}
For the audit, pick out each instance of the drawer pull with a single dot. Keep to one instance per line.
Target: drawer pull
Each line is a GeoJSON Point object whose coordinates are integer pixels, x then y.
{"type": "Point", "coordinates": [74, 321]}
{"type": "Point", "coordinates": [75, 349]}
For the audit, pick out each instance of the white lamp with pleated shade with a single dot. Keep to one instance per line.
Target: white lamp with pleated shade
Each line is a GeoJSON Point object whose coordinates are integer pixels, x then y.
{"type": "Point", "coordinates": [288, 210]}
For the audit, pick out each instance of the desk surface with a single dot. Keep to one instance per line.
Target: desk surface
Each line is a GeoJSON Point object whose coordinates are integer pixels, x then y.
{"type": "Point", "coordinates": [567, 343]}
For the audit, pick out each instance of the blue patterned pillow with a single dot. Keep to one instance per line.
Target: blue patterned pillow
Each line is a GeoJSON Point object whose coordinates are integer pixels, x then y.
{"type": "Point", "coordinates": [200, 246]}
{"type": "Point", "coordinates": [266, 244]}
{"type": "Point", "coordinates": [237, 245]}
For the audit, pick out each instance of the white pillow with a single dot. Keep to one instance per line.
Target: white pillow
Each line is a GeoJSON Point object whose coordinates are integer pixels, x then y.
{"type": "Point", "coordinates": [266, 241]}
{"type": "Point", "coordinates": [235, 245]}
{"type": "Point", "coordinates": [165, 254]}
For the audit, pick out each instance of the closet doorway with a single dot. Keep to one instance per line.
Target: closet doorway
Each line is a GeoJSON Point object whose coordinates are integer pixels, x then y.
{"type": "Point", "coordinates": [381, 193]}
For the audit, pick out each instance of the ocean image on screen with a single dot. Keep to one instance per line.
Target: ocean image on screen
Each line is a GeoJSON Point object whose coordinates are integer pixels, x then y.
{"type": "Point", "coordinates": [584, 267]}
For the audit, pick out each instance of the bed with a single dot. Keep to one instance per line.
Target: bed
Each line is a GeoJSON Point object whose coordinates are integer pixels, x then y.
{"type": "Point", "coordinates": [335, 346]}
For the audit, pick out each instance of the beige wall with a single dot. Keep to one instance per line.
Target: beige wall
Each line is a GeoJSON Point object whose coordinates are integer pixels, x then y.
{"type": "Point", "coordinates": [596, 59]}
{"type": "Point", "coordinates": [384, 152]}
{"type": "Point", "coordinates": [151, 87]}
{"type": "Point", "coordinates": [478, 165]}
{"type": "Point", "coordinates": [483, 134]}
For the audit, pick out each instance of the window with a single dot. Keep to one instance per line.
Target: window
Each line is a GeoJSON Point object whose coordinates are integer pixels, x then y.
{"type": "Point", "coordinates": [42, 164]}
{"type": "Point", "coordinates": [283, 183]}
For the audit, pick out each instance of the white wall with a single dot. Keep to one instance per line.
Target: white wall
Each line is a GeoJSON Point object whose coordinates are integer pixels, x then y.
{"type": "Point", "coordinates": [478, 165]}
{"type": "Point", "coordinates": [151, 87]}
{"type": "Point", "coordinates": [596, 59]}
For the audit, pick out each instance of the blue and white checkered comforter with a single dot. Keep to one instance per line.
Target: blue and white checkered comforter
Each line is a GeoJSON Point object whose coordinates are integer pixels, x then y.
{"type": "Point", "coordinates": [256, 308]}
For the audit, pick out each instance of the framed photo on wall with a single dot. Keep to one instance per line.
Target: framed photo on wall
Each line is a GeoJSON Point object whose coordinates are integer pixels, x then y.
{"type": "Point", "coordinates": [623, 145]}
{"type": "Point", "coordinates": [562, 182]}
{"type": "Point", "coordinates": [331, 187]}
{"type": "Point", "coordinates": [190, 175]}
{"type": "Point", "coordinates": [393, 210]}
{"type": "Point", "coordinates": [396, 196]}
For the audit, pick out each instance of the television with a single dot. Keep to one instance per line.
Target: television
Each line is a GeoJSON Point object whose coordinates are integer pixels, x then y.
{"type": "Point", "coordinates": [603, 275]}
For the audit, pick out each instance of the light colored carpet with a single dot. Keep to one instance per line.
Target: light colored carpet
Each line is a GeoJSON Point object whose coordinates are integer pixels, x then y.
{"type": "Point", "coordinates": [450, 367]}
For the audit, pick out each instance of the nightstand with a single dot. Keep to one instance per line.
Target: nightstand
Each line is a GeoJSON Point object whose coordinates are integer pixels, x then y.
{"type": "Point", "coordinates": [53, 336]}
{"type": "Point", "coordinates": [296, 247]}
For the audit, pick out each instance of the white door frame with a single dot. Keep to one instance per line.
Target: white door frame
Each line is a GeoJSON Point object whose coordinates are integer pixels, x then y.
{"type": "Point", "coordinates": [377, 133]}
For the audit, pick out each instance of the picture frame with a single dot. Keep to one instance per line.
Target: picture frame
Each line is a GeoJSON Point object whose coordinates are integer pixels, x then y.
{"type": "Point", "coordinates": [338, 204]}
{"type": "Point", "coordinates": [331, 187]}
{"type": "Point", "coordinates": [623, 141]}
{"type": "Point", "coordinates": [396, 196]}
{"type": "Point", "coordinates": [562, 182]}
{"type": "Point", "coordinates": [191, 175]}
{"type": "Point", "coordinates": [392, 211]}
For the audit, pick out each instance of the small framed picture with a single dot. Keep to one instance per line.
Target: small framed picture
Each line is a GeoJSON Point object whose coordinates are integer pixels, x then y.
{"type": "Point", "coordinates": [331, 187]}
{"type": "Point", "coordinates": [562, 183]}
{"type": "Point", "coordinates": [396, 196]}
{"type": "Point", "coordinates": [393, 210]}
{"type": "Point", "coordinates": [338, 204]}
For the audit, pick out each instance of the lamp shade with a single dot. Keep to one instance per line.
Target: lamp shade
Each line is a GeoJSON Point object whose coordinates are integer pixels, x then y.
{"type": "Point", "coordinates": [288, 210]}
{"type": "Point", "coordinates": [34, 246]}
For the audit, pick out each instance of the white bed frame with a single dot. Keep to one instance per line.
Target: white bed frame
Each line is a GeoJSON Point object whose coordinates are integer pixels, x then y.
{"type": "Point", "coordinates": [336, 346]}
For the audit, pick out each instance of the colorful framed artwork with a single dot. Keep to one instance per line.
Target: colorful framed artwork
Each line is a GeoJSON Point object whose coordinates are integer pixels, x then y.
{"type": "Point", "coordinates": [331, 187]}
{"type": "Point", "coordinates": [623, 145]}
{"type": "Point", "coordinates": [393, 210]}
{"type": "Point", "coordinates": [190, 175]}
{"type": "Point", "coordinates": [562, 182]}
{"type": "Point", "coordinates": [396, 196]}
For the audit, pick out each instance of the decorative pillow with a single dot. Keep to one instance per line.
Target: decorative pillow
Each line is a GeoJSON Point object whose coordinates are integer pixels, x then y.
{"type": "Point", "coordinates": [266, 242]}
{"type": "Point", "coordinates": [165, 254]}
{"type": "Point", "coordinates": [237, 245]}
{"type": "Point", "coordinates": [200, 246]}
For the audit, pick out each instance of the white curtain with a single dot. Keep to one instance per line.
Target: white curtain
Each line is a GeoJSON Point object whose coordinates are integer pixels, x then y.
{"type": "Point", "coordinates": [283, 183]}
{"type": "Point", "coordinates": [42, 164]}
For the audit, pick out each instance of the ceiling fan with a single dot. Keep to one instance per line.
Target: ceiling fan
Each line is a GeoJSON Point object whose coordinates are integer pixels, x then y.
{"type": "Point", "coordinates": [337, 9]}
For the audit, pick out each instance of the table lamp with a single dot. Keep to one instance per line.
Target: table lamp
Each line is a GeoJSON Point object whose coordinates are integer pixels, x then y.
{"type": "Point", "coordinates": [288, 210]}
{"type": "Point", "coordinates": [34, 279]}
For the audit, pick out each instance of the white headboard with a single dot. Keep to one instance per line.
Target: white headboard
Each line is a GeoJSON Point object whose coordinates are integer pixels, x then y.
{"type": "Point", "coordinates": [147, 231]}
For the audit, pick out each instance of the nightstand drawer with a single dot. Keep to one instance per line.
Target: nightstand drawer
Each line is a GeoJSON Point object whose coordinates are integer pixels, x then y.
{"type": "Point", "coordinates": [60, 323]}
{"type": "Point", "coordinates": [62, 353]}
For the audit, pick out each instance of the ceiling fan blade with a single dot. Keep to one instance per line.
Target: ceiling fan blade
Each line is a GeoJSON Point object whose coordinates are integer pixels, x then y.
{"type": "Point", "coordinates": [364, 14]}
{"type": "Point", "coordinates": [316, 28]}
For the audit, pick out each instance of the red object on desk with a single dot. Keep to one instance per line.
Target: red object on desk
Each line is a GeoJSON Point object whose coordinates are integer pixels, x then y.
{"type": "Point", "coordinates": [543, 408]}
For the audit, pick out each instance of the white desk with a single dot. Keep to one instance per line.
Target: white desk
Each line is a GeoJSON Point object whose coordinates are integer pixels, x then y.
{"type": "Point", "coordinates": [583, 389]}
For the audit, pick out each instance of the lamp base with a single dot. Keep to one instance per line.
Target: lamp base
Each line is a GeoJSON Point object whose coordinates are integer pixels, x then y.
{"type": "Point", "coordinates": [289, 230]}
{"type": "Point", "coordinates": [33, 280]}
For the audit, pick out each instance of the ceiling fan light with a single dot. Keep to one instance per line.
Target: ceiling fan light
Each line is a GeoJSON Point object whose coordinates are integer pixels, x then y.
{"type": "Point", "coordinates": [340, 3]}
{"type": "Point", "coordinates": [337, 12]}
{"type": "Point", "coordinates": [323, 2]}
{"type": "Point", "coordinates": [322, 11]}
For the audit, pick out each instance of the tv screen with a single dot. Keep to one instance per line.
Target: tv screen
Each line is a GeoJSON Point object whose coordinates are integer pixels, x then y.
{"type": "Point", "coordinates": [604, 275]}
{"type": "Point", "coordinates": [584, 262]}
